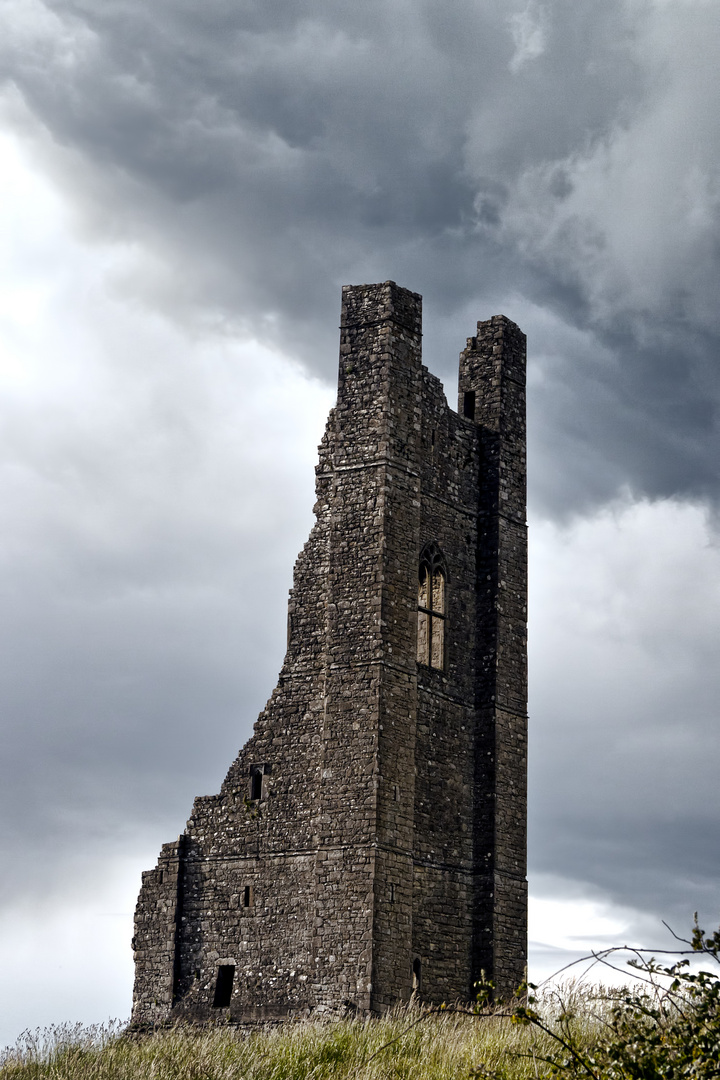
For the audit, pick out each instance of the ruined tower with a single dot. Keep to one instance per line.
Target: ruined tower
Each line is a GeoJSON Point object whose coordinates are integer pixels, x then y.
{"type": "Point", "coordinates": [369, 839]}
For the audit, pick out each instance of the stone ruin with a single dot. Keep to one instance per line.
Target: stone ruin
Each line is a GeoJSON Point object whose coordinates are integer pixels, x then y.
{"type": "Point", "coordinates": [369, 841]}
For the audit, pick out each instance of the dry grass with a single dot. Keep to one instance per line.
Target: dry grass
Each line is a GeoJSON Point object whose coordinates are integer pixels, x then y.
{"type": "Point", "coordinates": [401, 1046]}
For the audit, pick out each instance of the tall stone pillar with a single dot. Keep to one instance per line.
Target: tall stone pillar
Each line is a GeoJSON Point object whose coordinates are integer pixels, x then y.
{"type": "Point", "coordinates": [492, 393]}
{"type": "Point", "coordinates": [364, 858]}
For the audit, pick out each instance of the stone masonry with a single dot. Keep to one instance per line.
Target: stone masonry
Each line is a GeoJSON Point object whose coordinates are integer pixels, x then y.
{"type": "Point", "coordinates": [369, 839]}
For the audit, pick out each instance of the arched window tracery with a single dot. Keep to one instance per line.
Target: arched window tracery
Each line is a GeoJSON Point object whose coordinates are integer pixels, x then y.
{"type": "Point", "coordinates": [432, 581]}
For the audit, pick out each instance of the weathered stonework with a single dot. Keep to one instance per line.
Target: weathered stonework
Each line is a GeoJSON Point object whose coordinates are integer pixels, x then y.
{"type": "Point", "coordinates": [370, 837]}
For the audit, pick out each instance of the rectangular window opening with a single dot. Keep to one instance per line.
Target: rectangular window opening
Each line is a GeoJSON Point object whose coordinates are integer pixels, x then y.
{"type": "Point", "coordinates": [258, 781]}
{"type": "Point", "coordinates": [469, 404]}
{"type": "Point", "coordinates": [223, 986]}
{"type": "Point", "coordinates": [417, 975]}
{"type": "Point", "coordinates": [247, 900]}
{"type": "Point", "coordinates": [392, 894]}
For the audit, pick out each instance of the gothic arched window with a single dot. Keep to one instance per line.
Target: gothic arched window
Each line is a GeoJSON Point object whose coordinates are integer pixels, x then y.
{"type": "Point", "coordinates": [432, 578]}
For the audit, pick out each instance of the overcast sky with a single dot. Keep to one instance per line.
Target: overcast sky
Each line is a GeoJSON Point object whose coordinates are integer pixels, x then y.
{"type": "Point", "coordinates": [184, 187]}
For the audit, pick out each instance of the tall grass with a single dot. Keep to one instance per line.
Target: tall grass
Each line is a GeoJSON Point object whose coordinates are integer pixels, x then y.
{"type": "Point", "coordinates": [401, 1046]}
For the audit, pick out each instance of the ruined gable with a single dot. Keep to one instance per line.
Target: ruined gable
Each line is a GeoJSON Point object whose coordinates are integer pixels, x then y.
{"type": "Point", "coordinates": [369, 839]}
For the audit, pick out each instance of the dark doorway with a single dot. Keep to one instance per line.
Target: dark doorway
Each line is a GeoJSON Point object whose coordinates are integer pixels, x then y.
{"type": "Point", "coordinates": [417, 976]}
{"type": "Point", "coordinates": [223, 986]}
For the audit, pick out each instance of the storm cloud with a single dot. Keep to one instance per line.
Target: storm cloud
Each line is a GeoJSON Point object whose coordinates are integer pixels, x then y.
{"type": "Point", "coordinates": [559, 154]}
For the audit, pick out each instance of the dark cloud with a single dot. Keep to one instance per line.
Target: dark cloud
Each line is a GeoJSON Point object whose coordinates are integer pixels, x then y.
{"type": "Point", "coordinates": [560, 155]}
{"type": "Point", "coordinates": [152, 509]}
{"type": "Point", "coordinates": [624, 692]}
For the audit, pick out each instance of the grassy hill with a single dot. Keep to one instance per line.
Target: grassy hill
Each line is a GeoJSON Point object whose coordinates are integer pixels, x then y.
{"type": "Point", "coordinates": [435, 1048]}
{"type": "Point", "coordinates": [667, 1025]}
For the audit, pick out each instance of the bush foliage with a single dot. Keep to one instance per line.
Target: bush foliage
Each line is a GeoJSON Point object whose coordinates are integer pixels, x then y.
{"type": "Point", "coordinates": [667, 1026]}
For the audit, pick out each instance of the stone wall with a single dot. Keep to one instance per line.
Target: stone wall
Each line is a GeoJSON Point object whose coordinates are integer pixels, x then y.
{"type": "Point", "coordinates": [370, 837]}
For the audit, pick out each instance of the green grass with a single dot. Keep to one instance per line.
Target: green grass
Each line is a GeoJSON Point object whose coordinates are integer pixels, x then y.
{"type": "Point", "coordinates": [405, 1045]}
{"type": "Point", "coordinates": [436, 1048]}
{"type": "Point", "coordinates": [667, 1023]}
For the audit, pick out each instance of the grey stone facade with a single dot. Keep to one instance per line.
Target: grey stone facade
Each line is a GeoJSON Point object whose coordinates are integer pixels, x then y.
{"type": "Point", "coordinates": [370, 837]}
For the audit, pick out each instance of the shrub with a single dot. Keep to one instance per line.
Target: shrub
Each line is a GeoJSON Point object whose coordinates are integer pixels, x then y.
{"type": "Point", "coordinates": [667, 1027]}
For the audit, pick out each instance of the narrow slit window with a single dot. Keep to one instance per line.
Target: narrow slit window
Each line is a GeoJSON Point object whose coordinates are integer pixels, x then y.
{"type": "Point", "coordinates": [431, 608]}
{"type": "Point", "coordinates": [257, 781]}
{"type": "Point", "coordinates": [223, 986]}
{"type": "Point", "coordinates": [247, 899]}
{"type": "Point", "coordinates": [469, 404]}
